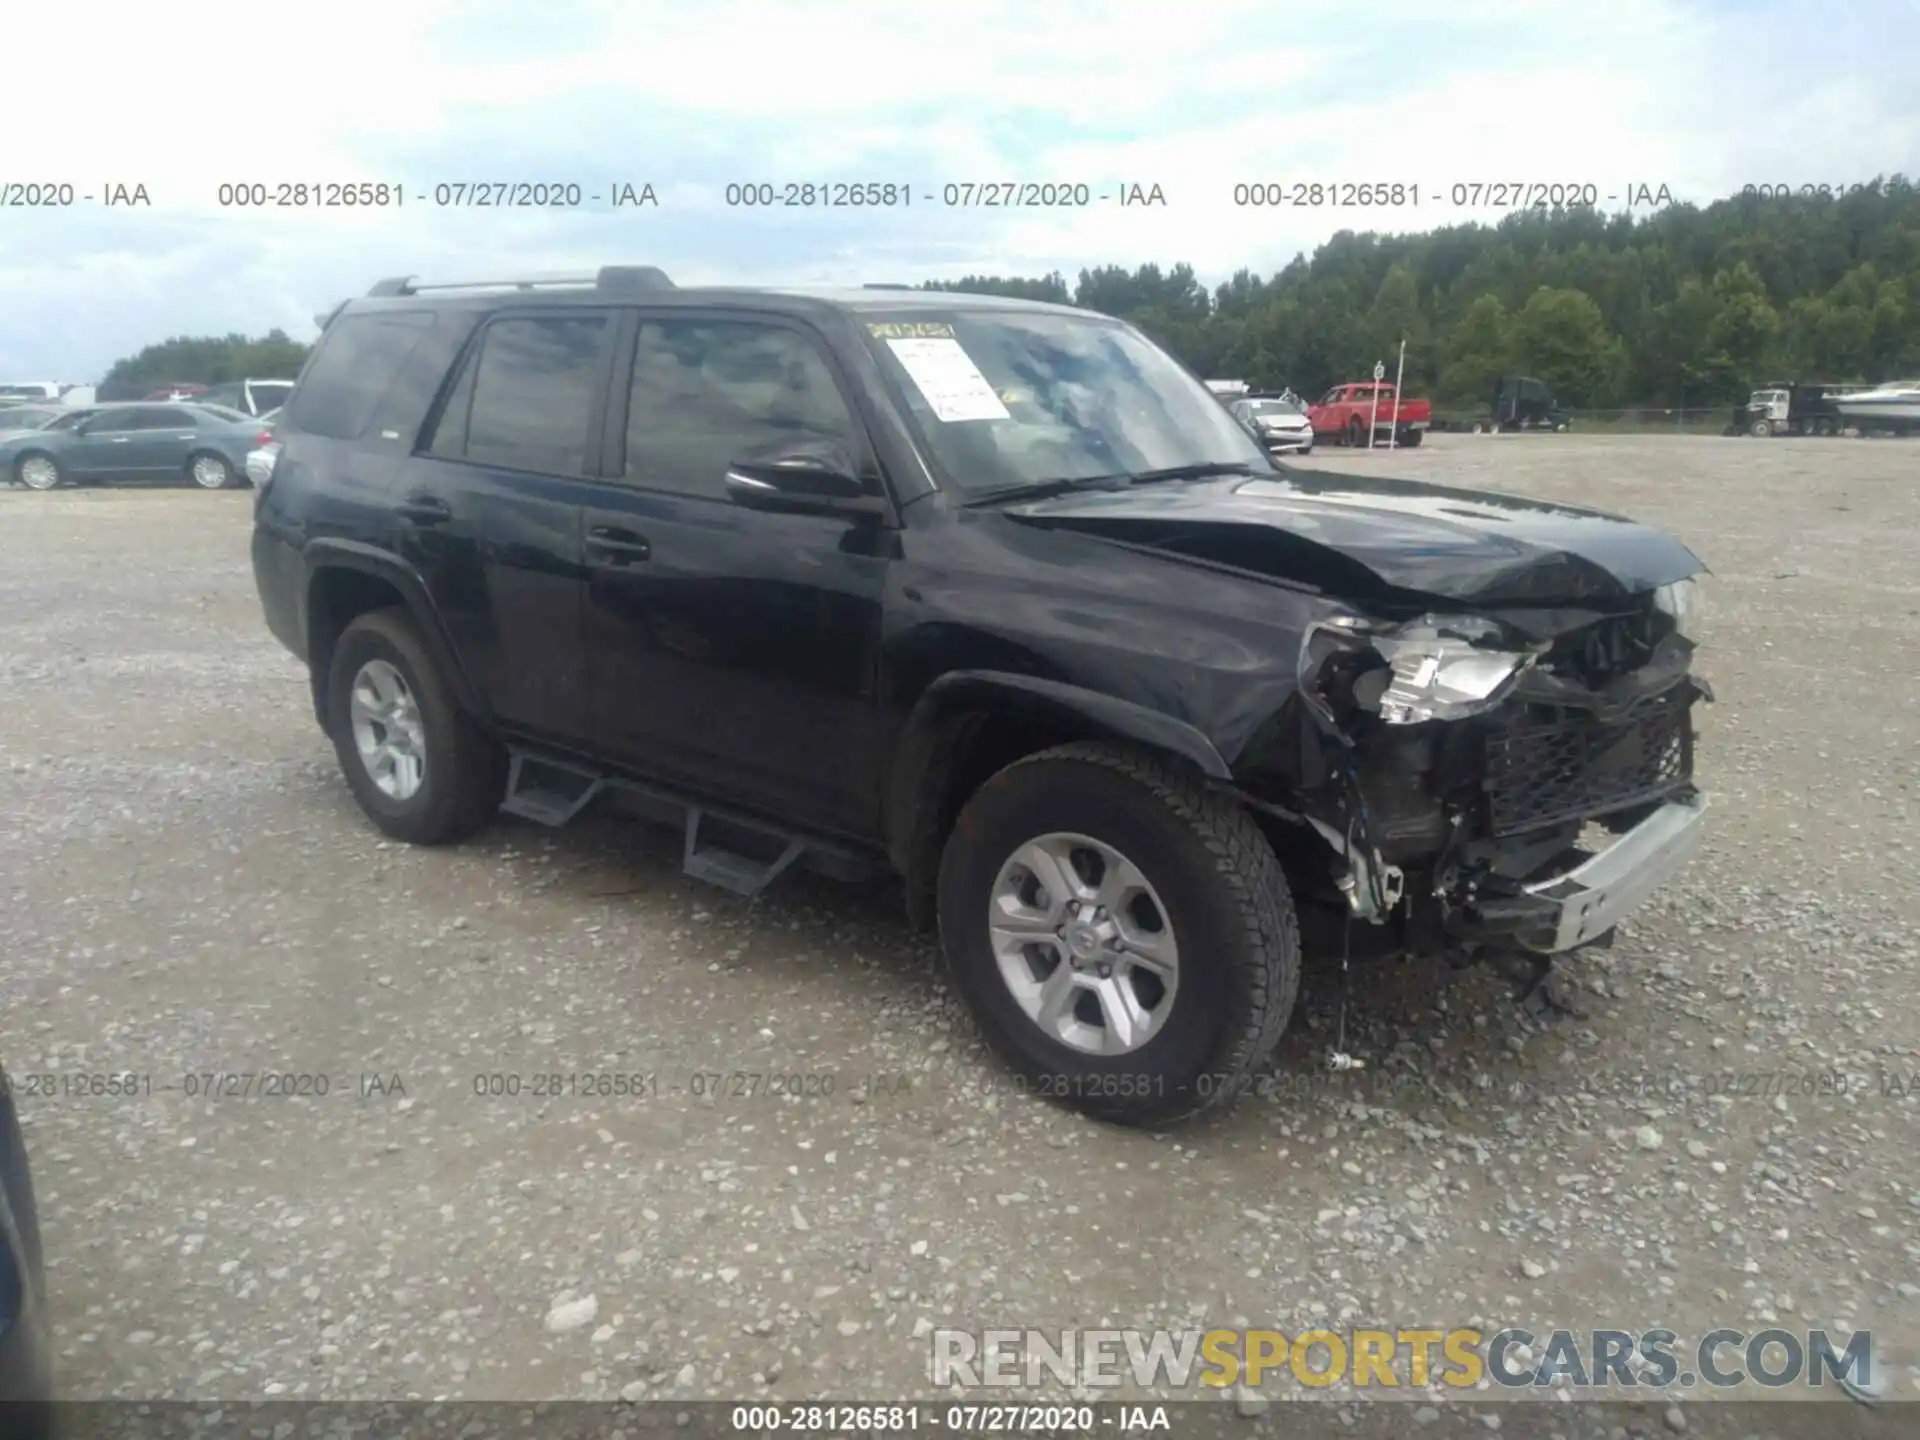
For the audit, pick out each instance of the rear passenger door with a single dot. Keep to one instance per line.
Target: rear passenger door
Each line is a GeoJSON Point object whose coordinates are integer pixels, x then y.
{"type": "Point", "coordinates": [489, 511]}
{"type": "Point", "coordinates": [162, 437]}
{"type": "Point", "coordinates": [735, 650]}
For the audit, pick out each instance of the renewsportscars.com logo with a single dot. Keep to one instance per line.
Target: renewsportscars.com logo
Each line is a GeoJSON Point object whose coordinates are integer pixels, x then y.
{"type": "Point", "coordinates": [1394, 1359]}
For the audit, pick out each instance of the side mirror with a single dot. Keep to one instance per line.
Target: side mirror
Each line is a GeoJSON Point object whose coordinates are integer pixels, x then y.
{"type": "Point", "coordinates": [806, 478]}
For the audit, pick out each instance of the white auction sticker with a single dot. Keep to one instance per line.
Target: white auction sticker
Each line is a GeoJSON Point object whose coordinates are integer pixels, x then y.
{"type": "Point", "coordinates": [947, 376]}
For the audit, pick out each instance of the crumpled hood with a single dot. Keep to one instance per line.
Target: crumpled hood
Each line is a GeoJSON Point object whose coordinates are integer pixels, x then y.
{"type": "Point", "coordinates": [1348, 533]}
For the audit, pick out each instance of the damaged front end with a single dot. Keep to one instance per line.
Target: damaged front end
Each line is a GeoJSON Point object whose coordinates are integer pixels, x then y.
{"type": "Point", "coordinates": [1501, 786]}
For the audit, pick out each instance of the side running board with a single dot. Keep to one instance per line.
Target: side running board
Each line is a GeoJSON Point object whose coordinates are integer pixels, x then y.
{"type": "Point", "coordinates": [551, 791]}
{"type": "Point", "coordinates": [548, 791]}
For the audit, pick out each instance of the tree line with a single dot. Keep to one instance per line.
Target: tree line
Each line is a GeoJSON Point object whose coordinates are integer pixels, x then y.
{"type": "Point", "coordinates": [1689, 305]}
{"type": "Point", "coordinates": [204, 360]}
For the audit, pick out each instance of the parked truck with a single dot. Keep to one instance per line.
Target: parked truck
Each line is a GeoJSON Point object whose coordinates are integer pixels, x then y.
{"type": "Point", "coordinates": [1345, 412]}
{"type": "Point", "coordinates": [1787, 408]}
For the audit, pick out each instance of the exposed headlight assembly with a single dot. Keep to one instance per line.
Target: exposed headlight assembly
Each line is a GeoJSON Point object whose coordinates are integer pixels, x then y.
{"type": "Point", "coordinates": [1441, 673]}
{"type": "Point", "coordinates": [1439, 667]}
{"type": "Point", "coordinates": [1683, 602]}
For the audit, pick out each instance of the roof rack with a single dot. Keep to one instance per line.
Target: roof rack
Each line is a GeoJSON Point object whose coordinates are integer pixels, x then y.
{"type": "Point", "coordinates": [621, 279]}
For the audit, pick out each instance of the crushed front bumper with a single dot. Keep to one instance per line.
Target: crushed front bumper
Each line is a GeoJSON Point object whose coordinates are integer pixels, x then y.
{"type": "Point", "coordinates": [1578, 906]}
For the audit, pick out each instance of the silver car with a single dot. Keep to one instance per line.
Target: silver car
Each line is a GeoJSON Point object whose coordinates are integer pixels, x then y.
{"type": "Point", "coordinates": [1281, 424]}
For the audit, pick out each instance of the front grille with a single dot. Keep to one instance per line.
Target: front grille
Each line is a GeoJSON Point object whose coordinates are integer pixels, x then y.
{"type": "Point", "coordinates": [1545, 772]}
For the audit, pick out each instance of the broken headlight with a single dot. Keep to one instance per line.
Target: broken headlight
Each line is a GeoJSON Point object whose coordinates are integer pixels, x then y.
{"type": "Point", "coordinates": [1443, 669]}
{"type": "Point", "coordinates": [1682, 603]}
{"type": "Point", "coordinates": [1439, 667]}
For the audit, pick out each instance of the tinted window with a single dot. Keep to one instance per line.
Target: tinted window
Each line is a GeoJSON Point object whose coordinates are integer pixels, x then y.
{"type": "Point", "coordinates": [526, 401]}
{"type": "Point", "coordinates": [269, 393]}
{"type": "Point", "coordinates": [67, 422]}
{"type": "Point", "coordinates": [118, 419]}
{"type": "Point", "coordinates": [359, 356]}
{"type": "Point", "coordinates": [706, 392]}
{"type": "Point", "coordinates": [224, 413]}
{"type": "Point", "coordinates": [163, 417]}
{"type": "Point", "coordinates": [222, 395]}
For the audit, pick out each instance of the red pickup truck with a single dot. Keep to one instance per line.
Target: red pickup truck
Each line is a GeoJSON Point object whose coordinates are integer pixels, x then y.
{"type": "Point", "coordinates": [1343, 414]}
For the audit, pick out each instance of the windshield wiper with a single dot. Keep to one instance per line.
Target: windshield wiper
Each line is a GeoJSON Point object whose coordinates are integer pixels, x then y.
{"type": "Point", "coordinates": [1042, 489]}
{"type": "Point", "coordinates": [1193, 472]}
{"type": "Point", "coordinates": [1119, 480]}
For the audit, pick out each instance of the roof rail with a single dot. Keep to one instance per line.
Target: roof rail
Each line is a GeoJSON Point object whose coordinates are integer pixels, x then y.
{"type": "Point", "coordinates": [621, 279]}
{"type": "Point", "coordinates": [889, 287]}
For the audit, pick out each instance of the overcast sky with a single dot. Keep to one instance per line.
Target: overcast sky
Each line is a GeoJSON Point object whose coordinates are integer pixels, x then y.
{"type": "Point", "coordinates": [1701, 98]}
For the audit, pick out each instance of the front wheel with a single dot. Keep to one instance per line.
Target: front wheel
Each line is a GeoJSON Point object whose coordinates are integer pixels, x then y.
{"type": "Point", "coordinates": [1761, 429]}
{"type": "Point", "coordinates": [39, 472]}
{"type": "Point", "coordinates": [1121, 931]}
{"type": "Point", "coordinates": [1356, 434]}
{"type": "Point", "coordinates": [418, 765]}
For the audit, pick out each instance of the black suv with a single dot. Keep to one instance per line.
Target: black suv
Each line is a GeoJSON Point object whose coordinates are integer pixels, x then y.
{"type": "Point", "coordinates": [25, 1367]}
{"type": "Point", "coordinates": [994, 596]}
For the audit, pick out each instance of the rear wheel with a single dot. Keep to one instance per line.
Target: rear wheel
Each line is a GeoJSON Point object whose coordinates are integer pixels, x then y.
{"type": "Point", "coordinates": [1121, 931]}
{"type": "Point", "coordinates": [1411, 440]}
{"type": "Point", "coordinates": [210, 472]}
{"type": "Point", "coordinates": [418, 765]}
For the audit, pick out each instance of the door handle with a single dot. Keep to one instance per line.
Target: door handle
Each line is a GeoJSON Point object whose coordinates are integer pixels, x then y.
{"type": "Point", "coordinates": [424, 510]}
{"type": "Point", "coordinates": [616, 545]}
{"type": "Point", "coordinates": [121, 439]}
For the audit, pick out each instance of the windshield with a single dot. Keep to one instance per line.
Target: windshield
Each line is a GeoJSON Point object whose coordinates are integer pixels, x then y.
{"type": "Point", "coordinates": [26, 417]}
{"type": "Point", "coordinates": [1005, 399]}
{"type": "Point", "coordinates": [1275, 407]}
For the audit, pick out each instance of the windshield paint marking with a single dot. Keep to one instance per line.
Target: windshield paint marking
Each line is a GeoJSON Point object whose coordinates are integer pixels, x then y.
{"type": "Point", "coordinates": [911, 330]}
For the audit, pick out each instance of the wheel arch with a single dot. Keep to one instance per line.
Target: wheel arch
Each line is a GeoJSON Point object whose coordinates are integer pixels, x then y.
{"type": "Point", "coordinates": [970, 724]}
{"type": "Point", "coordinates": [347, 580]}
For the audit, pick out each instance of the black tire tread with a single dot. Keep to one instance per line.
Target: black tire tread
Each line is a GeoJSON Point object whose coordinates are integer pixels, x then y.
{"type": "Point", "coordinates": [1244, 862]}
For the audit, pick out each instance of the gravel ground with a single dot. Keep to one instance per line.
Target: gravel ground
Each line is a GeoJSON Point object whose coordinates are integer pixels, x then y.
{"type": "Point", "coordinates": [188, 888]}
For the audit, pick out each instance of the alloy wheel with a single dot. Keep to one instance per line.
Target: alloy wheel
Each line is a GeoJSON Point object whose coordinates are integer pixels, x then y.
{"type": "Point", "coordinates": [210, 472]}
{"type": "Point", "coordinates": [1084, 944]}
{"type": "Point", "coordinates": [37, 472]}
{"type": "Point", "coordinates": [387, 730]}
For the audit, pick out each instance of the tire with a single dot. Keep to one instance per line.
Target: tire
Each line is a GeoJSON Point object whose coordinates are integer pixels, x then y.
{"type": "Point", "coordinates": [1761, 429]}
{"type": "Point", "coordinates": [1210, 878]}
{"type": "Point", "coordinates": [461, 777]}
{"type": "Point", "coordinates": [39, 471]}
{"type": "Point", "coordinates": [1356, 434]}
{"type": "Point", "coordinates": [1411, 440]}
{"type": "Point", "coordinates": [210, 471]}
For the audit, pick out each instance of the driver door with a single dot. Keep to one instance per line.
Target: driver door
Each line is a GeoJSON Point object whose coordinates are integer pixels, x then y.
{"type": "Point", "coordinates": [733, 650]}
{"type": "Point", "coordinates": [103, 445]}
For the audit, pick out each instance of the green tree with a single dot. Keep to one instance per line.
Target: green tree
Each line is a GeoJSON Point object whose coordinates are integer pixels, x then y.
{"type": "Point", "coordinates": [1479, 350]}
{"type": "Point", "coordinates": [1562, 338]}
{"type": "Point", "coordinates": [208, 360]}
{"type": "Point", "coordinates": [1743, 333]}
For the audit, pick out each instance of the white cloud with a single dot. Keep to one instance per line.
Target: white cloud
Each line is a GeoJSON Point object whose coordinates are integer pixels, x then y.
{"type": "Point", "coordinates": [693, 95]}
